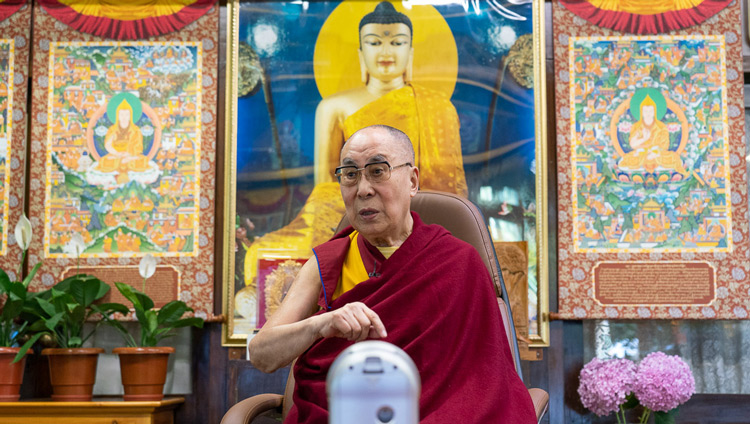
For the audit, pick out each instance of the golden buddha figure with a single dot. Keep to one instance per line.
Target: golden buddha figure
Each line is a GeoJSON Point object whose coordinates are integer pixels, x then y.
{"type": "Point", "coordinates": [649, 139]}
{"type": "Point", "coordinates": [387, 96]}
{"type": "Point", "coordinates": [124, 144]}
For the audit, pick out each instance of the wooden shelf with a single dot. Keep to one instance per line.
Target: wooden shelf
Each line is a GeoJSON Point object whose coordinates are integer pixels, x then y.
{"type": "Point", "coordinates": [99, 411]}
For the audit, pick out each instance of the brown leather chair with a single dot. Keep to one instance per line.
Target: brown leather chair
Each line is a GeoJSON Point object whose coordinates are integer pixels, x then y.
{"type": "Point", "coordinates": [463, 220]}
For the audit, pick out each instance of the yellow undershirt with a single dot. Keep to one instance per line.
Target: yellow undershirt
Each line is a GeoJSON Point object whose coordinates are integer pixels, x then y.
{"type": "Point", "coordinates": [353, 271]}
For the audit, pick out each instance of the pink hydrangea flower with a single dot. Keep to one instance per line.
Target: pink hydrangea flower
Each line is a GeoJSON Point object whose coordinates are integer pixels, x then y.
{"type": "Point", "coordinates": [663, 382]}
{"type": "Point", "coordinates": [604, 385]}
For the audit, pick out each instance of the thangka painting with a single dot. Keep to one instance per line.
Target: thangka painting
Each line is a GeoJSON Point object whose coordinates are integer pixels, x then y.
{"type": "Point", "coordinates": [123, 148]}
{"type": "Point", "coordinates": [464, 85]}
{"type": "Point", "coordinates": [6, 125]}
{"type": "Point", "coordinates": [652, 187]}
{"type": "Point", "coordinates": [123, 156]}
{"type": "Point", "coordinates": [15, 21]}
{"type": "Point", "coordinates": [651, 144]}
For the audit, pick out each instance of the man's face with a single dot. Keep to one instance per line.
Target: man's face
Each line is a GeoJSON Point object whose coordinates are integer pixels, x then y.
{"type": "Point", "coordinates": [379, 211]}
{"type": "Point", "coordinates": [385, 50]}
{"type": "Point", "coordinates": [648, 113]}
{"type": "Point", "coordinates": [123, 117]}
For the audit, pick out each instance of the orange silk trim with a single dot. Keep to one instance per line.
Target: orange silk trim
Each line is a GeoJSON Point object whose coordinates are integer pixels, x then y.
{"type": "Point", "coordinates": [645, 7]}
{"type": "Point", "coordinates": [127, 11]}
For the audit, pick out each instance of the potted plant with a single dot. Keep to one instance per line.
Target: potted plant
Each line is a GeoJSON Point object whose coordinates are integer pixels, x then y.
{"type": "Point", "coordinates": [62, 312]}
{"type": "Point", "coordinates": [14, 298]}
{"type": "Point", "coordinates": [143, 364]}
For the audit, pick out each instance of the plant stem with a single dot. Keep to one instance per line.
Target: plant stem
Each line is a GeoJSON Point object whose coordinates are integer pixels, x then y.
{"type": "Point", "coordinates": [618, 414]}
{"type": "Point", "coordinates": [20, 267]}
{"type": "Point", "coordinates": [144, 285]}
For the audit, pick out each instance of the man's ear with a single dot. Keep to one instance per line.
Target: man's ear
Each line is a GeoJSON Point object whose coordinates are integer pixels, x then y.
{"type": "Point", "coordinates": [414, 181]}
{"type": "Point", "coordinates": [364, 75]}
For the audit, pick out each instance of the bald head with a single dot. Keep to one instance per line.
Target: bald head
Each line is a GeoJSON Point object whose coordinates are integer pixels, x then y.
{"type": "Point", "coordinates": [387, 135]}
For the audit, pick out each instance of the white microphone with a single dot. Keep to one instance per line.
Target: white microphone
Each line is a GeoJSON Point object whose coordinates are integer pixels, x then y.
{"type": "Point", "coordinates": [373, 382]}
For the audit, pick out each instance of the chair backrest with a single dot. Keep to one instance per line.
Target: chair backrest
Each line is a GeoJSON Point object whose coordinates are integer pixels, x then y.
{"type": "Point", "coordinates": [459, 216]}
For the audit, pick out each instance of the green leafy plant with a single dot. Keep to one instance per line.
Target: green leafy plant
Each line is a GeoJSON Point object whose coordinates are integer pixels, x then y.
{"type": "Point", "coordinates": [154, 324]}
{"type": "Point", "coordinates": [15, 297]}
{"type": "Point", "coordinates": [63, 310]}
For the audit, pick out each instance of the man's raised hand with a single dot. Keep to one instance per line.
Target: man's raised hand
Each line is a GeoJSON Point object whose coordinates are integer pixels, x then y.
{"type": "Point", "coordinates": [355, 321]}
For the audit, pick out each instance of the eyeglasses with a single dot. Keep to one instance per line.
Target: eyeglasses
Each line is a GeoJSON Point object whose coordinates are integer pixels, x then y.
{"type": "Point", "coordinates": [375, 172]}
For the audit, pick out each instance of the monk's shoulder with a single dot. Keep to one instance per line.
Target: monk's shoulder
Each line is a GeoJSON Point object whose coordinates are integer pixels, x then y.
{"type": "Point", "coordinates": [445, 241]}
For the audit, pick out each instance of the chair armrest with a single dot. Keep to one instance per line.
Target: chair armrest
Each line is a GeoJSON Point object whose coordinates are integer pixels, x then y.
{"type": "Point", "coordinates": [541, 402]}
{"type": "Point", "coordinates": [245, 411]}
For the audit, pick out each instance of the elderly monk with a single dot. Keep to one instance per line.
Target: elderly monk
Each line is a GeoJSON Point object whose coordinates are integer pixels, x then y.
{"type": "Point", "coordinates": [390, 276]}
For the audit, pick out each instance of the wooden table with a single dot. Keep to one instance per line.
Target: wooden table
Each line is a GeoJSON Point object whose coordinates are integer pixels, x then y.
{"type": "Point", "coordinates": [99, 411]}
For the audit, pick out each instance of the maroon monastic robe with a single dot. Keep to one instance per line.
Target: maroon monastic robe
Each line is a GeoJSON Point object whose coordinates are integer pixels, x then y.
{"type": "Point", "coordinates": [437, 302]}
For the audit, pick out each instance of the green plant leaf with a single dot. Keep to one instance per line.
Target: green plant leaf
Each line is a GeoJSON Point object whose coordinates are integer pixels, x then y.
{"type": "Point", "coordinates": [151, 324]}
{"type": "Point", "coordinates": [75, 341]}
{"type": "Point", "coordinates": [52, 322]}
{"type": "Point", "coordinates": [46, 306]}
{"type": "Point", "coordinates": [145, 300]}
{"type": "Point", "coordinates": [195, 322]}
{"type": "Point", "coordinates": [665, 417]}
{"type": "Point", "coordinates": [26, 346]}
{"type": "Point", "coordinates": [109, 308]}
{"type": "Point", "coordinates": [76, 314]}
{"type": "Point", "coordinates": [87, 290]}
{"type": "Point", "coordinates": [16, 291]}
{"type": "Point", "coordinates": [31, 275]}
{"type": "Point", "coordinates": [172, 311]}
{"type": "Point", "coordinates": [4, 282]}
{"type": "Point", "coordinates": [12, 309]}
{"type": "Point", "coordinates": [129, 293]}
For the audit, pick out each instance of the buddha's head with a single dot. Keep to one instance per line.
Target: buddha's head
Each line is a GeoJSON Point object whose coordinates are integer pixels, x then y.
{"type": "Point", "coordinates": [648, 110]}
{"type": "Point", "coordinates": [385, 50]}
{"type": "Point", "coordinates": [124, 114]}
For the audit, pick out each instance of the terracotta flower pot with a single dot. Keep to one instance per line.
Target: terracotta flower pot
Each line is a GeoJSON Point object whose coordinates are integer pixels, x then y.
{"type": "Point", "coordinates": [143, 371]}
{"type": "Point", "coordinates": [11, 375]}
{"type": "Point", "coordinates": [72, 372]}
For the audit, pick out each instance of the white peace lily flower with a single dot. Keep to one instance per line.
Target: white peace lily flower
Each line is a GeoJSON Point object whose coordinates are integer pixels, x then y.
{"type": "Point", "coordinates": [77, 244]}
{"type": "Point", "coordinates": [147, 267]}
{"type": "Point", "coordinates": [23, 233]}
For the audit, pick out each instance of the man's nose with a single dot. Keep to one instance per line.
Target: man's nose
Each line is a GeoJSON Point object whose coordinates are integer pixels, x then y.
{"type": "Point", "coordinates": [364, 187]}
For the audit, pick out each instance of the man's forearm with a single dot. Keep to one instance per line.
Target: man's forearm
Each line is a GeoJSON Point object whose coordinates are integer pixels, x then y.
{"type": "Point", "coordinates": [275, 347]}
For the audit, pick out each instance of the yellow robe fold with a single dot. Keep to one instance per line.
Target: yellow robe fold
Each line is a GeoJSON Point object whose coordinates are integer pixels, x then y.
{"type": "Point", "coordinates": [653, 152]}
{"type": "Point", "coordinates": [128, 141]}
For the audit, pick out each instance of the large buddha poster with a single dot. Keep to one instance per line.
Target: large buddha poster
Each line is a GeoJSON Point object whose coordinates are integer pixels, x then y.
{"type": "Point", "coordinates": [459, 79]}
{"type": "Point", "coordinates": [122, 156]}
{"type": "Point", "coordinates": [14, 56]}
{"type": "Point", "coordinates": [653, 191]}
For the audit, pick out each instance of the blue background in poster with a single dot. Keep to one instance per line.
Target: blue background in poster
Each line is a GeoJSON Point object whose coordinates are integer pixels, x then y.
{"type": "Point", "coordinates": [295, 94]}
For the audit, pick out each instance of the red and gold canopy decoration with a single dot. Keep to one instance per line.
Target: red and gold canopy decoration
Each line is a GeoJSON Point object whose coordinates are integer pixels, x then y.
{"type": "Point", "coordinates": [127, 20]}
{"type": "Point", "coordinates": [645, 16]}
{"type": "Point", "coordinates": [9, 7]}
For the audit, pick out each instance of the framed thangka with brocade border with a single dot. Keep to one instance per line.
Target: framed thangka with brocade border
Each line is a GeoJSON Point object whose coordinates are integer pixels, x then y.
{"type": "Point", "coordinates": [123, 155]}
{"type": "Point", "coordinates": [653, 191]}
{"type": "Point", "coordinates": [470, 95]}
{"type": "Point", "coordinates": [15, 21]}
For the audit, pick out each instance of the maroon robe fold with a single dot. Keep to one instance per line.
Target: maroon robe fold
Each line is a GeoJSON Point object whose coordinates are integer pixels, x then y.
{"type": "Point", "coordinates": [437, 302]}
